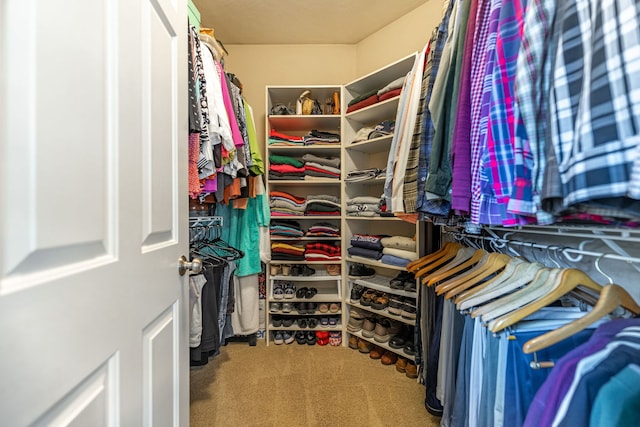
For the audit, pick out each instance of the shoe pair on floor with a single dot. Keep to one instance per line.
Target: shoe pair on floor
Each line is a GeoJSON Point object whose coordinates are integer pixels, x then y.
{"type": "Point", "coordinates": [333, 338]}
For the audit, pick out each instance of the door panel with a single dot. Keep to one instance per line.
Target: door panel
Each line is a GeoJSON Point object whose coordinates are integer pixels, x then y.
{"type": "Point", "coordinates": [93, 212]}
{"type": "Point", "coordinates": [91, 403]}
{"type": "Point", "coordinates": [160, 130]}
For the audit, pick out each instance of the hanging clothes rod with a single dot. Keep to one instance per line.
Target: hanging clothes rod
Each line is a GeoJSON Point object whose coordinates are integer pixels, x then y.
{"type": "Point", "coordinates": [564, 250]}
{"type": "Point", "coordinates": [206, 221]}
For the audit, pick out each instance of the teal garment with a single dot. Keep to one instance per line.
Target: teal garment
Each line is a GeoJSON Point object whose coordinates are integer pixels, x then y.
{"type": "Point", "coordinates": [617, 403]}
{"type": "Point", "coordinates": [241, 230]}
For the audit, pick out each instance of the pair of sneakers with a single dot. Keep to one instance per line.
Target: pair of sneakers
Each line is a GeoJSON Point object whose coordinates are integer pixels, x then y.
{"type": "Point", "coordinates": [279, 307]}
{"type": "Point", "coordinates": [404, 281]}
{"type": "Point", "coordinates": [286, 290]}
{"type": "Point", "coordinates": [283, 337]}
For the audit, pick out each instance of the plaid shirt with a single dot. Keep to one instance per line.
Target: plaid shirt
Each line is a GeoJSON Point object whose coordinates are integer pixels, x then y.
{"type": "Point", "coordinates": [488, 211]}
{"type": "Point", "coordinates": [478, 67]}
{"type": "Point", "coordinates": [530, 110]}
{"type": "Point", "coordinates": [595, 99]}
{"type": "Point", "coordinates": [499, 155]}
{"type": "Point", "coordinates": [438, 39]}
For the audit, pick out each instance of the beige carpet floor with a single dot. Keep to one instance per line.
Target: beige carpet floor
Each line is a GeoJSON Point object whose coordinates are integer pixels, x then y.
{"type": "Point", "coordinates": [295, 385]}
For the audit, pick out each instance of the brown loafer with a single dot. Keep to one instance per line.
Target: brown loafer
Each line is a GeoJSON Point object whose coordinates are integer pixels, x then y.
{"type": "Point", "coordinates": [411, 370]}
{"type": "Point", "coordinates": [353, 342]}
{"type": "Point", "coordinates": [389, 358]}
{"type": "Point", "coordinates": [401, 364]}
{"type": "Point", "coordinates": [376, 352]}
{"type": "Point", "coordinates": [380, 302]}
{"type": "Point", "coordinates": [364, 346]}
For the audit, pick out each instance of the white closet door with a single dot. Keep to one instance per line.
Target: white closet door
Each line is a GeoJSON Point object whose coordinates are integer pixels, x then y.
{"type": "Point", "coordinates": [93, 215]}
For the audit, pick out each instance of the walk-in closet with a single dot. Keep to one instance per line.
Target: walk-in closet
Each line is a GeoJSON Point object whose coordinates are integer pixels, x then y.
{"type": "Point", "coordinates": [290, 213]}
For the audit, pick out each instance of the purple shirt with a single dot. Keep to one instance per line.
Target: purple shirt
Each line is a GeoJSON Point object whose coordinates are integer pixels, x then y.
{"type": "Point", "coordinates": [542, 410]}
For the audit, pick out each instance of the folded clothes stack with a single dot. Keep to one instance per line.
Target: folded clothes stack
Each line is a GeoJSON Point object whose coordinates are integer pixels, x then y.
{"type": "Point", "coordinates": [391, 90]}
{"type": "Point", "coordinates": [321, 167]}
{"type": "Point", "coordinates": [322, 204]}
{"type": "Point", "coordinates": [278, 138]}
{"type": "Point", "coordinates": [364, 174]}
{"type": "Point", "coordinates": [285, 228]}
{"type": "Point", "coordinates": [366, 246]}
{"type": "Point", "coordinates": [398, 250]}
{"type": "Point", "coordinates": [363, 206]}
{"type": "Point", "coordinates": [285, 252]}
{"type": "Point", "coordinates": [285, 167]}
{"type": "Point", "coordinates": [384, 128]}
{"type": "Point", "coordinates": [318, 137]}
{"type": "Point", "coordinates": [317, 251]}
{"type": "Point", "coordinates": [285, 204]}
{"type": "Point", "coordinates": [323, 229]}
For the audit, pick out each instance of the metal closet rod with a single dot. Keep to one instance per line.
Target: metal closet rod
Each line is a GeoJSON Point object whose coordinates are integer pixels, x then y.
{"type": "Point", "coordinates": [558, 248]}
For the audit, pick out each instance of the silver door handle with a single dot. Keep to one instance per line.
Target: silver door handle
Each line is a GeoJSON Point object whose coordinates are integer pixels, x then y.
{"type": "Point", "coordinates": [195, 266]}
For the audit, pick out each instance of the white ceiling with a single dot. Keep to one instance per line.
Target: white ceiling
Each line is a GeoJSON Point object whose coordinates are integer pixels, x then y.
{"type": "Point", "coordinates": [300, 21]}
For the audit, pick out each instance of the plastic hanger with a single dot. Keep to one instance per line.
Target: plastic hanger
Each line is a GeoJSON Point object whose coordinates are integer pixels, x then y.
{"type": "Point", "coordinates": [565, 282]}
{"type": "Point", "coordinates": [611, 297]}
{"type": "Point", "coordinates": [477, 256]}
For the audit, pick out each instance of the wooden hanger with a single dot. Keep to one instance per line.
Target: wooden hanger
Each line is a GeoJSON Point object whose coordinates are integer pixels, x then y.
{"type": "Point", "coordinates": [477, 256]}
{"type": "Point", "coordinates": [517, 299]}
{"type": "Point", "coordinates": [462, 255]}
{"type": "Point", "coordinates": [567, 280]}
{"type": "Point", "coordinates": [468, 274]}
{"type": "Point", "coordinates": [508, 271]}
{"type": "Point", "coordinates": [497, 263]}
{"type": "Point", "coordinates": [451, 254]}
{"type": "Point", "coordinates": [415, 265]}
{"type": "Point", "coordinates": [522, 274]}
{"type": "Point", "coordinates": [611, 297]}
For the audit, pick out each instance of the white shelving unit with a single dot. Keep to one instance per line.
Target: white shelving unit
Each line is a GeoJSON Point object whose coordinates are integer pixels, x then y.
{"type": "Point", "coordinates": [372, 153]}
{"type": "Point", "coordinates": [329, 287]}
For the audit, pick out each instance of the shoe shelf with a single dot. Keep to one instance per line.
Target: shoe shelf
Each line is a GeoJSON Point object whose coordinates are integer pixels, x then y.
{"type": "Point", "coordinates": [384, 313]}
{"type": "Point", "coordinates": [374, 263]}
{"type": "Point", "coordinates": [381, 283]}
{"type": "Point", "coordinates": [317, 277]}
{"type": "Point", "coordinates": [315, 313]}
{"type": "Point", "coordinates": [336, 328]}
{"type": "Point", "coordinates": [374, 145]}
{"type": "Point", "coordinates": [384, 345]}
